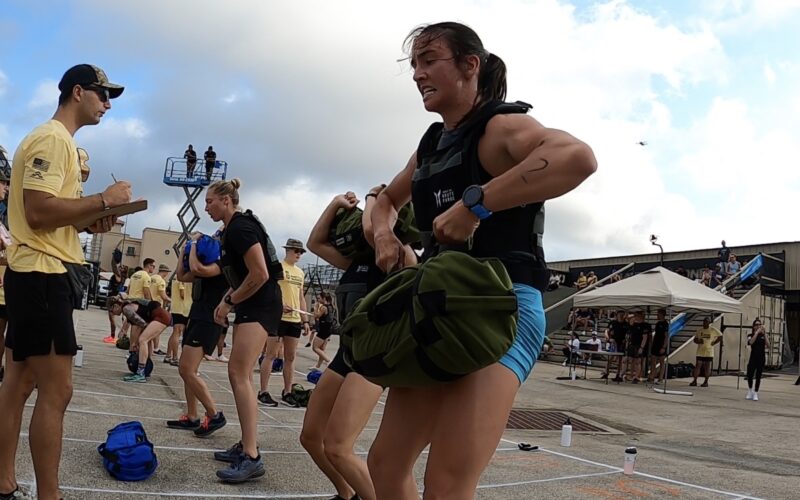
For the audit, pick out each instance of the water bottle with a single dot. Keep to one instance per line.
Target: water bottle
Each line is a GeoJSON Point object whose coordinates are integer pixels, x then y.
{"type": "Point", "coordinates": [566, 433]}
{"type": "Point", "coordinates": [630, 460]}
{"type": "Point", "coordinates": [78, 358]}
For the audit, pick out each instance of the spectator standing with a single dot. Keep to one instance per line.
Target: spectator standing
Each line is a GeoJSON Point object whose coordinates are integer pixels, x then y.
{"type": "Point", "coordinates": [191, 161]}
{"type": "Point", "coordinates": [658, 348]}
{"type": "Point", "coordinates": [757, 340]}
{"type": "Point", "coordinates": [723, 253]}
{"type": "Point", "coordinates": [637, 342]}
{"type": "Point", "coordinates": [705, 338]}
{"type": "Point", "coordinates": [210, 157]}
{"type": "Point", "coordinates": [570, 350]}
{"type": "Point", "coordinates": [615, 335]}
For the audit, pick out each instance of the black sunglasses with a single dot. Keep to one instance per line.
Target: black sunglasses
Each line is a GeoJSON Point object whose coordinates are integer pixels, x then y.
{"type": "Point", "coordinates": [102, 93]}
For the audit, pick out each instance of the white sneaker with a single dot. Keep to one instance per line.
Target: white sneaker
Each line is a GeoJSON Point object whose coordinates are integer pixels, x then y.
{"type": "Point", "coordinates": [749, 394]}
{"type": "Point", "coordinates": [755, 396]}
{"type": "Point", "coordinates": [208, 357]}
{"type": "Point", "coordinates": [564, 363]}
{"type": "Point", "coordinates": [222, 358]}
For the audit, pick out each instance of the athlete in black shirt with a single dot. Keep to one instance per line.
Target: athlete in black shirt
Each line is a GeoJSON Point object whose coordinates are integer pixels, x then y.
{"type": "Point", "coordinates": [615, 337]}
{"type": "Point", "coordinates": [638, 336]}
{"type": "Point", "coordinates": [343, 396]}
{"type": "Point", "coordinates": [248, 259]}
{"type": "Point", "coordinates": [200, 337]}
{"type": "Point", "coordinates": [522, 164]}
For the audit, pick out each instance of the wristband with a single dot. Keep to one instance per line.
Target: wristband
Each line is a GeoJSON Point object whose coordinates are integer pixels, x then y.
{"type": "Point", "coordinates": [371, 195]}
{"type": "Point", "coordinates": [103, 200]}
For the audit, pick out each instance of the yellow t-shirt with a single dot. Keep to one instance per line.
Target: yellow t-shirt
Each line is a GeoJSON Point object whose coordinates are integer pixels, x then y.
{"type": "Point", "coordinates": [157, 285]}
{"type": "Point", "coordinates": [3, 288]}
{"type": "Point", "coordinates": [139, 280]}
{"type": "Point", "coordinates": [181, 305]}
{"type": "Point", "coordinates": [709, 335]}
{"type": "Point", "coordinates": [291, 286]}
{"type": "Point", "coordinates": [47, 161]}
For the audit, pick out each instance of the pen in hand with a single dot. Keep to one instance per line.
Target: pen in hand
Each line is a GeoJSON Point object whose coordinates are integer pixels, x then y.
{"type": "Point", "coordinates": [115, 179]}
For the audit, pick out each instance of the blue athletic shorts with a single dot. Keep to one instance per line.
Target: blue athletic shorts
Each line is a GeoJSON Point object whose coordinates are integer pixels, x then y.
{"type": "Point", "coordinates": [523, 353]}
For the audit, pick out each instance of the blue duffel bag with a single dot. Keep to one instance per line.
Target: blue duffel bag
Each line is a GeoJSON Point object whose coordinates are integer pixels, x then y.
{"type": "Point", "coordinates": [127, 453]}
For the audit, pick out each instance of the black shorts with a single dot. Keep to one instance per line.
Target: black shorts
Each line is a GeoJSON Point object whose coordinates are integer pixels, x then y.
{"type": "Point", "coordinates": [202, 334]}
{"type": "Point", "coordinates": [179, 319]}
{"type": "Point", "coordinates": [338, 365]}
{"type": "Point", "coordinates": [286, 329]}
{"type": "Point", "coordinates": [268, 316]}
{"type": "Point", "coordinates": [40, 314]}
{"type": "Point", "coordinates": [324, 331]}
{"type": "Point", "coordinates": [633, 351]}
{"type": "Point", "coordinates": [3, 311]}
{"type": "Point", "coordinates": [701, 359]}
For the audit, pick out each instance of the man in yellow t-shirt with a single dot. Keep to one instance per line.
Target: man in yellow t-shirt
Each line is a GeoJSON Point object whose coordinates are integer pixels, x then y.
{"type": "Point", "coordinates": [46, 199]}
{"type": "Point", "coordinates": [181, 303]}
{"type": "Point", "coordinates": [158, 292]}
{"type": "Point", "coordinates": [292, 325]}
{"type": "Point", "coordinates": [705, 338]}
{"type": "Point", "coordinates": [139, 287]}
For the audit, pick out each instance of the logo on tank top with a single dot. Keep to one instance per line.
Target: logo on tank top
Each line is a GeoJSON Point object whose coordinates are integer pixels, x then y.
{"type": "Point", "coordinates": [444, 197]}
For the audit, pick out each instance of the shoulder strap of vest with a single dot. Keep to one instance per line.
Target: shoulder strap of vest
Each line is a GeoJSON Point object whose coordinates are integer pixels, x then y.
{"type": "Point", "coordinates": [429, 141]}
{"type": "Point", "coordinates": [273, 263]}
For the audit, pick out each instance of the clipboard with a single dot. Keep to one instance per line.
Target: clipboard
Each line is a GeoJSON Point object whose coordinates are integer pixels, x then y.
{"type": "Point", "coordinates": [120, 210]}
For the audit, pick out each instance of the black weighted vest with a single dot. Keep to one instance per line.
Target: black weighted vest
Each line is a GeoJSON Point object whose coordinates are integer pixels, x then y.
{"type": "Point", "coordinates": [274, 267]}
{"type": "Point", "coordinates": [447, 163]}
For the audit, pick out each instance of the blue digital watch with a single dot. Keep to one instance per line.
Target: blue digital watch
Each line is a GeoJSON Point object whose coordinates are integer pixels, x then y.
{"type": "Point", "coordinates": [473, 200]}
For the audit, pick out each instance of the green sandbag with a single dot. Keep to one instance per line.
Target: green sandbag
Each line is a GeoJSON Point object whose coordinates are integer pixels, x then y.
{"type": "Point", "coordinates": [347, 232]}
{"type": "Point", "coordinates": [434, 322]}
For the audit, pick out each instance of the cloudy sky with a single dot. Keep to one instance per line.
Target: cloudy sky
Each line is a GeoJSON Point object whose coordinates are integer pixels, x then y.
{"type": "Point", "coordinates": [306, 99]}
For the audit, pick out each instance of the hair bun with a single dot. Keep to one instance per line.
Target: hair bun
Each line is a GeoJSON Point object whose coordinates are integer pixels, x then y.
{"type": "Point", "coordinates": [236, 183]}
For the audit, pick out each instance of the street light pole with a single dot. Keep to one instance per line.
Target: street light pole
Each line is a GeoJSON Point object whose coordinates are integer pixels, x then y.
{"type": "Point", "coordinates": [654, 241]}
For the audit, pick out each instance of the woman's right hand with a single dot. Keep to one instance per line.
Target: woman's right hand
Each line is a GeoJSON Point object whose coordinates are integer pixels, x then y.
{"type": "Point", "coordinates": [347, 200]}
{"type": "Point", "coordinates": [389, 252]}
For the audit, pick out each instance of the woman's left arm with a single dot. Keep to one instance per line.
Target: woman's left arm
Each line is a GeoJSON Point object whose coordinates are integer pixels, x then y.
{"type": "Point", "coordinates": [545, 163]}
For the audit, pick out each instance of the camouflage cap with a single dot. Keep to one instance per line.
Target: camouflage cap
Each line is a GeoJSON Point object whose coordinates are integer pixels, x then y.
{"type": "Point", "coordinates": [86, 74]}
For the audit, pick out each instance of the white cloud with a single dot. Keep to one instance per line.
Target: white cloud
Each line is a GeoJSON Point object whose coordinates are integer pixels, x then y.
{"type": "Point", "coordinates": [45, 95]}
{"type": "Point", "coordinates": [769, 74]}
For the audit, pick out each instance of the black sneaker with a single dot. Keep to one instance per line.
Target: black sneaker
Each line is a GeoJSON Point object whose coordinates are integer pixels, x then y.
{"type": "Point", "coordinates": [265, 399]}
{"type": "Point", "coordinates": [242, 470]}
{"type": "Point", "coordinates": [184, 422]}
{"type": "Point", "coordinates": [231, 455]}
{"type": "Point", "coordinates": [210, 425]}
{"type": "Point", "coordinates": [693, 383]}
{"type": "Point", "coordinates": [19, 493]}
{"type": "Point", "coordinates": [289, 400]}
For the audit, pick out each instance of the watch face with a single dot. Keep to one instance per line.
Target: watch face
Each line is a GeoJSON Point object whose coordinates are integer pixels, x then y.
{"type": "Point", "coordinates": [472, 196]}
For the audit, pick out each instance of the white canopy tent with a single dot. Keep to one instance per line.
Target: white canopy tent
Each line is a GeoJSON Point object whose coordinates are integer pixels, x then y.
{"type": "Point", "coordinates": [660, 287]}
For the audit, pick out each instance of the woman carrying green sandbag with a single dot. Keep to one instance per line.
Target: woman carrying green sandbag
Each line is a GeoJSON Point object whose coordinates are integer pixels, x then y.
{"type": "Point", "coordinates": [482, 175]}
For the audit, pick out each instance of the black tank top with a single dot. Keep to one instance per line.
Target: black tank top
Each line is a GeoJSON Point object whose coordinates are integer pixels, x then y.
{"type": "Point", "coordinates": [447, 163]}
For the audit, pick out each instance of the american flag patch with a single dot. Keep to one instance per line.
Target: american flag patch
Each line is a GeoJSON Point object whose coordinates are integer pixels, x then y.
{"type": "Point", "coordinates": [40, 164]}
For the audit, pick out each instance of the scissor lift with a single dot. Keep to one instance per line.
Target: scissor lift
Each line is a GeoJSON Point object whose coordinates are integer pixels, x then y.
{"type": "Point", "coordinates": [176, 174]}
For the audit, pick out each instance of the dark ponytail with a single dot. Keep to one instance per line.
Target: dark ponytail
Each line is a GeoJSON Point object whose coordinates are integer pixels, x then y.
{"type": "Point", "coordinates": [492, 80]}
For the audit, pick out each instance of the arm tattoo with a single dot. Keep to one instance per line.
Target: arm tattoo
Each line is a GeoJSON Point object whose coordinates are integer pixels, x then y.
{"type": "Point", "coordinates": [545, 164]}
{"type": "Point", "coordinates": [133, 318]}
{"type": "Point", "coordinates": [250, 284]}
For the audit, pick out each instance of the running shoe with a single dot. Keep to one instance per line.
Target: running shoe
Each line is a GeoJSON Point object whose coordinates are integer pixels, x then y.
{"type": "Point", "coordinates": [208, 357]}
{"type": "Point", "coordinates": [244, 469]}
{"type": "Point", "coordinates": [109, 340]}
{"type": "Point", "coordinates": [704, 384]}
{"type": "Point", "coordinates": [19, 493]}
{"type": "Point", "coordinates": [210, 425]}
{"type": "Point", "coordinates": [167, 360]}
{"type": "Point", "coordinates": [265, 399]}
{"type": "Point", "coordinates": [222, 359]}
{"type": "Point", "coordinates": [693, 383]}
{"type": "Point", "coordinates": [230, 455]}
{"type": "Point", "coordinates": [184, 422]}
{"type": "Point", "coordinates": [135, 377]}
{"type": "Point", "coordinates": [159, 352]}
{"type": "Point", "coordinates": [175, 362]}
{"type": "Point", "coordinates": [288, 400]}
